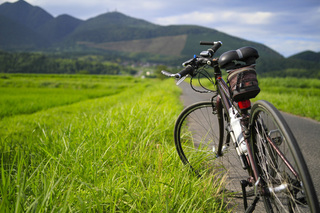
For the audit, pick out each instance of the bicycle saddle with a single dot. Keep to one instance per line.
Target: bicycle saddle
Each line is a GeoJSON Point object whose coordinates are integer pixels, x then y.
{"type": "Point", "coordinates": [241, 57]}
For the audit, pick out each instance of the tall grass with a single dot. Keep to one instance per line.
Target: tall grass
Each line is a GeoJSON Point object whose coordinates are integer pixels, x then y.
{"type": "Point", "coordinates": [109, 154]}
{"type": "Point", "coordinates": [297, 96]}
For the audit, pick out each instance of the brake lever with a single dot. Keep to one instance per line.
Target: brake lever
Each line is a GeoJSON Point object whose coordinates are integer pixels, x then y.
{"type": "Point", "coordinates": [205, 54]}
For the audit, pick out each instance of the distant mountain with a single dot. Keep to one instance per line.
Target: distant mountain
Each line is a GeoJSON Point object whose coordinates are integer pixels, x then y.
{"type": "Point", "coordinates": [15, 36]}
{"type": "Point", "coordinates": [25, 27]}
{"type": "Point", "coordinates": [307, 56]}
{"type": "Point", "coordinates": [112, 26]}
{"type": "Point", "coordinates": [103, 31]}
{"type": "Point", "coordinates": [109, 30]}
{"type": "Point", "coordinates": [116, 19]}
{"type": "Point", "coordinates": [25, 14]}
{"type": "Point", "coordinates": [58, 28]}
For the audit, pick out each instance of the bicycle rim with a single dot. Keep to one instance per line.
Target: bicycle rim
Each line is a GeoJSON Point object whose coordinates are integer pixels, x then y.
{"type": "Point", "coordinates": [197, 135]}
{"type": "Point", "coordinates": [281, 165]}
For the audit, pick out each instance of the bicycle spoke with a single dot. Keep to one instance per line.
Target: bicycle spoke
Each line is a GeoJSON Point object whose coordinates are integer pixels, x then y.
{"type": "Point", "coordinates": [197, 138]}
{"type": "Point", "coordinates": [277, 163]}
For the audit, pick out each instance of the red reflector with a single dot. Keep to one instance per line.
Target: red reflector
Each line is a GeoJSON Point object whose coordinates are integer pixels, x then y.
{"type": "Point", "coordinates": [244, 104]}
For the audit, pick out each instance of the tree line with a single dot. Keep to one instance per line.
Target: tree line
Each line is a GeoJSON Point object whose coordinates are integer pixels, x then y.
{"type": "Point", "coordinates": [24, 62]}
{"type": "Point", "coordinates": [27, 62]}
{"type": "Point", "coordinates": [288, 67]}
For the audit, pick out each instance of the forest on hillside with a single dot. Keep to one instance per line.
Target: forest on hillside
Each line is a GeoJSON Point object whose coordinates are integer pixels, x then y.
{"type": "Point", "coordinates": [41, 63]}
{"type": "Point", "coordinates": [28, 62]}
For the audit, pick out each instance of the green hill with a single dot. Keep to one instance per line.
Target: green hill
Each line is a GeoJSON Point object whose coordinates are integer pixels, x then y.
{"type": "Point", "coordinates": [25, 27]}
{"type": "Point", "coordinates": [58, 28]}
{"type": "Point", "coordinates": [101, 33]}
{"type": "Point", "coordinates": [22, 12]}
{"type": "Point", "coordinates": [15, 36]}
{"type": "Point", "coordinates": [307, 56]}
{"type": "Point", "coordinates": [111, 27]}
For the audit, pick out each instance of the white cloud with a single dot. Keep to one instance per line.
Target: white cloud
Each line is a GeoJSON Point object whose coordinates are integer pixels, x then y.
{"type": "Point", "coordinates": [257, 18]}
{"type": "Point", "coordinates": [285, 32]}
{"type": "Point", "coordinates": [147, 5]}
{"type": "Point", "coordinates": [291, 46]}
{"type": "Point", "coordinates": [187, 18]}
{"type": "Point", "coordinates": [75, 3]}
{"type": "Point", "coordinates": [230, 17]}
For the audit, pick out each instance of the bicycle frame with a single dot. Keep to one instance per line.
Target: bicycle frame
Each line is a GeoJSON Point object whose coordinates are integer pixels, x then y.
{"type": "Point", "coordinates": [225, 99]}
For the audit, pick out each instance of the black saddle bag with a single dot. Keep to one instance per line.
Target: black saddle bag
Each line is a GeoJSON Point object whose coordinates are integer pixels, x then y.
{"type": "Point", "coordinates": [243, 83]}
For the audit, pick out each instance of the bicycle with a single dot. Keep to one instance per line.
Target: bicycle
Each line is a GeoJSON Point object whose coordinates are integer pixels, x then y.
{"type": "Point", "coordinates": [251, 144]}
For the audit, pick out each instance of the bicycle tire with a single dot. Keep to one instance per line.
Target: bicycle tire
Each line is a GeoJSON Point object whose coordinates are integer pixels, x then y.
{"type": "Point", "coordinates": [197, 130]}
{"type": "Point", "coordinates": [269, 134]}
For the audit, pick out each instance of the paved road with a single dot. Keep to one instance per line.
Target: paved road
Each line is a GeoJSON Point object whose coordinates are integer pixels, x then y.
{"type": "Point", "coordinates": [306, 131]}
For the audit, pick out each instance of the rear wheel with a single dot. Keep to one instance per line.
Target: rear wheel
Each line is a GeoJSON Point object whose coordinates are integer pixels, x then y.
{"type": "Point", "coordinates": [198, 132]}
{"type": "Point", "coordinates": [283, 171]}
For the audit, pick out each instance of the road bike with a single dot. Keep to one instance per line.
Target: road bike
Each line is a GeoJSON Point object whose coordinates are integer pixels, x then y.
{"type": "Point", "coordinates": [250, 144]}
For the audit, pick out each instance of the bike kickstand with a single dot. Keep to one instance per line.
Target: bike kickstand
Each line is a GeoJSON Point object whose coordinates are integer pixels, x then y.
{"type": "Point", "coordinates": [252, 207]}
{"type": "Point", "coordinates": [244, 184]}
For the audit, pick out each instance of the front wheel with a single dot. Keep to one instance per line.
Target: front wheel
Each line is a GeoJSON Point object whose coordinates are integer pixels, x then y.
{"type": "Point", "coordinates": [197, 134]}
{"type": "Point", "coordinates": [284, 175]}
{"type": "Point", "coordinates": [199, 139]}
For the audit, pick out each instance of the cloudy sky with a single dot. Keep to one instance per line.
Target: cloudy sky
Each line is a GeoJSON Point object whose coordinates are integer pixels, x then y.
{"type": "Point", "coordinates": [287, 26]}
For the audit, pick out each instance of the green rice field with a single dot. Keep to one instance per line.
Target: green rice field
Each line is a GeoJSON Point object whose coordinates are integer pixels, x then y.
{"type": "Point", "coordinates": [296, 96]}
{"type": "Point", "coordinates": [85, 143]}
{"type": "Point", "coordinates": [81, 143]}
